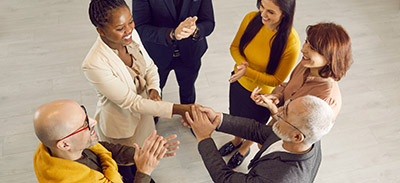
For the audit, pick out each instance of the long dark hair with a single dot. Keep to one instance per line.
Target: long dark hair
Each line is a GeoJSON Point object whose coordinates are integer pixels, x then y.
{"type": "Point", "coordinates": [281, 36]}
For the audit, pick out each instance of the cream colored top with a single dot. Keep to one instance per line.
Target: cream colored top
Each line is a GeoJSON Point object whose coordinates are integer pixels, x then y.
{"type": "Point", "coordinates": [120, 107]}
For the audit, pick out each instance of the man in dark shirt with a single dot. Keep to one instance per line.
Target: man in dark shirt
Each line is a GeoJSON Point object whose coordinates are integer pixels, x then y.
{"type": "Point", "coordinates": [291, 148]}
{"type": "Point", "coordinates": [70, 149]}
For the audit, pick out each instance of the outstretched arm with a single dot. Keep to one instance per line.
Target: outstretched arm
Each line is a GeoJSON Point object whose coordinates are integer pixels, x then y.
{"type": "Point", "coordinates": [221, 173]}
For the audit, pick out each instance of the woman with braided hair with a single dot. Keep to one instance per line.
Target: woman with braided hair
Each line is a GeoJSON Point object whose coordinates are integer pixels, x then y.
{"type": "Point", "coordinates": [124, 77]}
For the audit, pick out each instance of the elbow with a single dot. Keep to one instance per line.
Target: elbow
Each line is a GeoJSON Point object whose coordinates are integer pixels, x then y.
{"type": "Point", "coordinates": [276, 82]}
{"type": "Point", "coordinates": [234, 49]}
{"type": "Point", "coordinates": [212, 26]}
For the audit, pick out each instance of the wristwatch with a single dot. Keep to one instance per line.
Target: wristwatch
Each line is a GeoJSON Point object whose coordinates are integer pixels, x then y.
{"type": "Point", "coordinates": [196, 33]}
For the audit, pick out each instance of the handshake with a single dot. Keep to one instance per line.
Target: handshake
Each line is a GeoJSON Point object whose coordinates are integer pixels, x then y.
{"type": "Point", "coordinates": [202, 120]}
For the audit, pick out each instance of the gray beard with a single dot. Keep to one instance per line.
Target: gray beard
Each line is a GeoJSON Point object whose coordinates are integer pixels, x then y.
{"type": "Point", "coordinates": [280, 134]}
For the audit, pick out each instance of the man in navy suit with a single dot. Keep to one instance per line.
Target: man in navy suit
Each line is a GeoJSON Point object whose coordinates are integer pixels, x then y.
{"type": "Point", "coordinates": [173, 33]}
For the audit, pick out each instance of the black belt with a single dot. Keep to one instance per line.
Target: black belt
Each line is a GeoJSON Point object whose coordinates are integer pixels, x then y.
{"type": "Point", "coordinates": [177, 52]}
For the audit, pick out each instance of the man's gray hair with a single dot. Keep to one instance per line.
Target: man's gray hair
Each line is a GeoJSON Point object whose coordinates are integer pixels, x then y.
{"type": "Point", "coordinates": [315, 119]}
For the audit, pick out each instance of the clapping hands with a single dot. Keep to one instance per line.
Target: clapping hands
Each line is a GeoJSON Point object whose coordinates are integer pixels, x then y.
{"type": "Point", "coordinates": [240, 71]}
{"type": "Point", "coordinates": [186, 28]}
{"type": "Point", "coordinates": [154, 149]}
{"type": "Point", "coordinates": [268, 100]}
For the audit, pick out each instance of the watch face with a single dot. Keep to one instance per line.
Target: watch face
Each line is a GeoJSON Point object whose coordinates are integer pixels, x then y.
{"type": "Point", "coordinates": [196, 33]}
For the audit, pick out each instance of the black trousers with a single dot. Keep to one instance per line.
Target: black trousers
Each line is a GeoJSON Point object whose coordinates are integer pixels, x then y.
{"type": "Point", "coordinates": [128, 173]}
{"type": "Point", "coordinates": [240, 104]}
{"type": "Point", "coordinates": [186, 75]}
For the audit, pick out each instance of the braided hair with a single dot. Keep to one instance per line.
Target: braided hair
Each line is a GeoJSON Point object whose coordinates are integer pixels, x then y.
{"type": "Point", "coordinates": [99, 10]}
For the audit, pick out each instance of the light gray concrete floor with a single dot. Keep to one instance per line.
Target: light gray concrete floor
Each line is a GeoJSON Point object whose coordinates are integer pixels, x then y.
{"type": "Point", "coordinates": [43, 42]}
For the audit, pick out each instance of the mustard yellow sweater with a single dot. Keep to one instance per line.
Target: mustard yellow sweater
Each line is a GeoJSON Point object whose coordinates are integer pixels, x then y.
{"type": "Point", "coordinates": [52, 169]}
{"type": "Point", "coordinates": [257, 55]}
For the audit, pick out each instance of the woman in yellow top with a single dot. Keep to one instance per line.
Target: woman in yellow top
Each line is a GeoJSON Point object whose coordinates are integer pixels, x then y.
{"type": "Point", "coordinates": [265, 49]}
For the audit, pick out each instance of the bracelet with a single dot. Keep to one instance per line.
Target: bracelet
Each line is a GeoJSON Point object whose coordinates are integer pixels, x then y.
{"type": "Point", "coordinates": [173, 35]}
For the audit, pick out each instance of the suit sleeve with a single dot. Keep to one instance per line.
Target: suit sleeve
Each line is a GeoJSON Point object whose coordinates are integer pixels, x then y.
{"type": "Point", "coordinates": [143, 18]}
{"type": "Point", "coordinates": [249, 128]}
{"type": "Point", "coordinates": [205, 21]}
{"type": "Point", "coordinates": [142, 178]}
{"type": "Point", "coordinates": [219, 171]}
{"type": "Point", "coordinates": [122, 154]}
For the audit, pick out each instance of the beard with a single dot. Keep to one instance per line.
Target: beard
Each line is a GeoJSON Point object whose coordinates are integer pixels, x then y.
{"type": "Point", "coordinates": [280, 134]}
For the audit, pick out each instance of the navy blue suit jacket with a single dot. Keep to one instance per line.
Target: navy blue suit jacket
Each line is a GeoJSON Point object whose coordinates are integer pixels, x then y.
{"type": "Point", "coordinates": [154, 20]}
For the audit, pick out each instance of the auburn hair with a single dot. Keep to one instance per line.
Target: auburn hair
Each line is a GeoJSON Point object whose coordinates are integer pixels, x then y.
{"type": "Point", "coordinates": [331, 41]}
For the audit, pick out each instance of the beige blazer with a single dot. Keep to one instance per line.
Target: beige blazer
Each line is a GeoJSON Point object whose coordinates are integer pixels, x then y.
{"type": "Point", "coordinates": [120, 109]}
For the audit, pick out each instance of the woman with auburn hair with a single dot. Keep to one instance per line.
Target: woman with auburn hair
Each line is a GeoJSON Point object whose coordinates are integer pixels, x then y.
{"type": "Point", "coordinates": [326, 58]}
{"type": "Point", "coordinates": [265, 50]}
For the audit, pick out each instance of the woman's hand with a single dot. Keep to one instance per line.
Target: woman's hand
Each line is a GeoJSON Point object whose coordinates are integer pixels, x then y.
{"type": "Point", "coordinates": [268, 100]}
{"type": "Point", "coordinates": [240, 71]}
{"type": "Point", "coordinates": [181, 109]}
{"type": "Point", "coordinates": [153, 95]}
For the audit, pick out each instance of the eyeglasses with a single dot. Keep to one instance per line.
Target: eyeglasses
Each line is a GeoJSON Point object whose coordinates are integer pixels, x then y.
{"type": "Point", "coordinates": [280, 117]}
{"type": "Point", "coordinates": [79, 130]}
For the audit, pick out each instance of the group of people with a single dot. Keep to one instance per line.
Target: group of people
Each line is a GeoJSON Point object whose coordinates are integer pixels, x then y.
{"type": "Point", "coordinates": [129, 64]}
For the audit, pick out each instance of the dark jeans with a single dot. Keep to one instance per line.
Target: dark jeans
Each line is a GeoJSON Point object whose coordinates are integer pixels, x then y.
{"type": "Point", "coordinates": [186, 75]}
{"type": "Point", "coordinates": [128, 173]}
{"type": "Point", "coordinates": [240, 104]}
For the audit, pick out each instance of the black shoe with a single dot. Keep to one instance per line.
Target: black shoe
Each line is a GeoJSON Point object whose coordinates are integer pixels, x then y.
{"type": "Point", "coordinates": [228, 148]}
{"type": "Point", "coordinates": [237, 159]}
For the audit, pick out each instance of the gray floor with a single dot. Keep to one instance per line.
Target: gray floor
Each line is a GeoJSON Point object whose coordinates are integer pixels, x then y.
{"type": "Point", "coordinates": [43, 42]}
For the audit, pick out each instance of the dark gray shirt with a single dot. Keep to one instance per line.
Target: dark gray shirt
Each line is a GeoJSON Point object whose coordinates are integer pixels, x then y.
{"type": "Point", "coordinates": [273, 167]}
{"type": "Point", "coordinates": [120, 153]}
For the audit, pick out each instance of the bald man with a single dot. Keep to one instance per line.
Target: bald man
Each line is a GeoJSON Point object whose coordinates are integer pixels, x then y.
{"type": "Point", "coordinates": [70, 152]}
